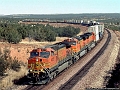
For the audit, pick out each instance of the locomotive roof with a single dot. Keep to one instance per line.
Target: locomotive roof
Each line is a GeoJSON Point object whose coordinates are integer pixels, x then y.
{"type": "Point", "coordinates": [89, 33]}
{"type": "Point", "coordinates": [84, 36]}
{"type": "Point", "coordinates": [36, 50]}
{"type": "Point", "coordinates": [57, 46]}
{"type": "Point", "coordinates": [78, 37]}
{"type": "Point", "coordinates": [69, 43]}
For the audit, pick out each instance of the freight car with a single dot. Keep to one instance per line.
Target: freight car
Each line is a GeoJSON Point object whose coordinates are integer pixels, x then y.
{"type": "Point", "coordinates": [45, 63]}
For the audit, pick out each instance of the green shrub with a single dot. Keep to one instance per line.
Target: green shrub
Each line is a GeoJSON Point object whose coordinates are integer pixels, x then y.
{"type": "Point", "coordinates": [7, 63]}
{"type": "Point", "coordinates": [15, 65]}
{"type": "Point", "coordinates": [3, 66]}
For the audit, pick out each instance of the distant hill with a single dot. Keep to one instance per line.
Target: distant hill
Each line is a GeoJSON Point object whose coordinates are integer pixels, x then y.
{"type": "Point", "coordinates": [64, 16]}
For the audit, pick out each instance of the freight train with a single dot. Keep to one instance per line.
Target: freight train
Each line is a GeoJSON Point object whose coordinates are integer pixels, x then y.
{"type": "Point", "coordinates": [46, 63]}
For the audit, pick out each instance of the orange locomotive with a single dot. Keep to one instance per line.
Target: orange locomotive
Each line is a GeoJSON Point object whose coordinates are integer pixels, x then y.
{"type": "Point", "coordinates": [45, 63]}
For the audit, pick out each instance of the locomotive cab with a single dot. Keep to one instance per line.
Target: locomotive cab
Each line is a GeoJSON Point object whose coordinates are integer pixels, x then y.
{"type": "Point", "coordinates": [73, 43]}
{"type": "Point", "coordinates": [43, 58]}
{"type": "Point", "coordinates": [39, 63]}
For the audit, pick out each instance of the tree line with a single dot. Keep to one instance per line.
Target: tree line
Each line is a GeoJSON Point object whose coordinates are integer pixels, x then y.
{"type": "Point", "coordinates": [114, 27]}
{"type": "Point", "coordinates": [14, 33]}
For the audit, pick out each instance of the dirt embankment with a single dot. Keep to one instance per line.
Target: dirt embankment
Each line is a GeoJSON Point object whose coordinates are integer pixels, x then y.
{"type": "Point", "coordinates": [114, 79]}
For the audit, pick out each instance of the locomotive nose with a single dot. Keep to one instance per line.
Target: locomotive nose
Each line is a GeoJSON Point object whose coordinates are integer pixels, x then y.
{"type": "Point", "coordinates": [35, 65]}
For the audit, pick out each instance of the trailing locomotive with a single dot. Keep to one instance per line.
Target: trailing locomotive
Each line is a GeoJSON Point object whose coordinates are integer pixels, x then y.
{"type": "Point", "coordinates": [45, 63]}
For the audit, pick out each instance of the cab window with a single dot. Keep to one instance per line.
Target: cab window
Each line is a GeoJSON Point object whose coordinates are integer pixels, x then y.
{"type": "Point", "coordinates": [52, 53]}
{"type": "Point", "coordinates": [33, 54]}
{"type": "Point", "coordinates": [44, 54]}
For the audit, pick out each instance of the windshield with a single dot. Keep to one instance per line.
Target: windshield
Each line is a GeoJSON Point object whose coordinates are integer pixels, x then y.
{"type": "Point", "coordinates": [44, 54]}
{"type": "Point", "coordinates": [33, 54]}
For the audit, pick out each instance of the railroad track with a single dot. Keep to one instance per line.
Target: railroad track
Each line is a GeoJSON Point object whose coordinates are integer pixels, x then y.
{"type": "Point", "coordinates": [34, 87]}
{"type": "Point", "coordinates": [83, 71]}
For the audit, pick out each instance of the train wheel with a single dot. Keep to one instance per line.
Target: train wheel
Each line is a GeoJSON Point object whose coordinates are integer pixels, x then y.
{"type": "Point", "coordinates": [89, 48]}
{"type": "Point", "coordinates": [54, 75]}
{"type": "Point", "coordinates": [48, 81]}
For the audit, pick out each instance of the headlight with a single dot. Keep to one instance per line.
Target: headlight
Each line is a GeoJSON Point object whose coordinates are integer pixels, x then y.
{"type": "Point", "coordinates": [37, 59]}
{"type": "Point", "coordinates": [30, 70]}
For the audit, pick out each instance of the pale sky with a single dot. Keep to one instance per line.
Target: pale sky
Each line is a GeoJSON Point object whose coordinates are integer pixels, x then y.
{"type": "Point", "coordinates": [58, 6]}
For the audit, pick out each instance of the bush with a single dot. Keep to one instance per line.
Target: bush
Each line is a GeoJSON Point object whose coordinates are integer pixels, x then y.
{"type": "Point", "coordinates": [7, 63]}
{"type": "Point", "coordinates": [3, 66]}
{"type": "Point", "coordinates": [14, 37]}
{"type": "Point", "coordinates": [15, 65]}
{"type": "Point", "coordinates": [3, 61]}
{"type": "Point", "coordinates": [67, 31]}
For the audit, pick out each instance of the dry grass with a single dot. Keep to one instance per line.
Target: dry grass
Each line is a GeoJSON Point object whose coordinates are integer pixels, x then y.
{"type": "Point", "coordinates": [26, 41]}
{"type": "Point", "coordinates": [12, 75]}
